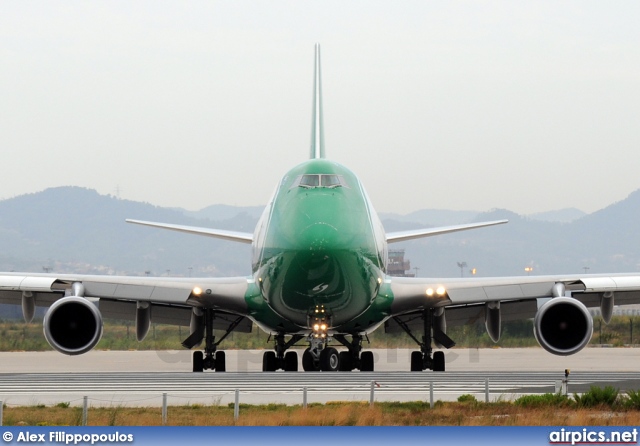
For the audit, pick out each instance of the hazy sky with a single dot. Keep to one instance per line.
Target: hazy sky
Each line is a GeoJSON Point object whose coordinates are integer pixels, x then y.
{"type": "Point", "coordinates": [524, 105]}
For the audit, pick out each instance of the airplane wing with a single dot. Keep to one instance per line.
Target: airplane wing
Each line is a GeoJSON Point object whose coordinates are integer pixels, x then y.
{"type": "Point", "coordinates": [73, 323]}
{"type": "Point", "coordinates": [402, 236]}
{"type": "Point", "coordinates": [226, 293]}
{"type": "Point", "coordinates": [234, 236]}
{"type": "Point", "coordinates": [411, 294]}
{"type": "Point", "coordinates": [170, 300]}
{"type": "Point", "coordinates": [496, 299]}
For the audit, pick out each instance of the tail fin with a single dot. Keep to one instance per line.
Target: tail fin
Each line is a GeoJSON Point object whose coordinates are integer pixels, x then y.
{"type": "Point", "coordinates": [317, 127]}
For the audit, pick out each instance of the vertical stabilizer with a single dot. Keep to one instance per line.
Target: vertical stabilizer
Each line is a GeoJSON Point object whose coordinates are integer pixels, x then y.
{"type": "Point", "coordinates": [317, 127]}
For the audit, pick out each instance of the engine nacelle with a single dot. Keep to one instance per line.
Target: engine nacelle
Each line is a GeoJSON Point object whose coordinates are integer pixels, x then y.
{"type": "Point", "coordinates": [563, 326]}
{"type": "Point", "coordinates": [73, 325]}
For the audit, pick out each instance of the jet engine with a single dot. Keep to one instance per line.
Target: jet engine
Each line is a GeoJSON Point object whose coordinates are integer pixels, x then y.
{"type": "Point", "coordinates": [563, 326]}
{"type": "Point", "coordinates": [73, 325]}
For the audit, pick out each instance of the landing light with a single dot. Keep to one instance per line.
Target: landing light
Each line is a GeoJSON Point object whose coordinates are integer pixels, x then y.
{"type": "Point", "coordinates": [429, 292]}
{"type": "Point", "coordinates": [320, 327]}
{"type": "Point", "coordinates": [440, 291]}
{"type": "Point", "coordinates": [197, 291]}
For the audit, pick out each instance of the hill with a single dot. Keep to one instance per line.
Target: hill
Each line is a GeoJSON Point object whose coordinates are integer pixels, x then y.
{"type": "Point", "coordinates": [75, 229]}
{"type": "Point", "coordinates": [72, 229]}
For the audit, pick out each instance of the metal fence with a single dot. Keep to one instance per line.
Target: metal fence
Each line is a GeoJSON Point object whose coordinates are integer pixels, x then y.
{"type": "Point", "coordinates": [561, 386]}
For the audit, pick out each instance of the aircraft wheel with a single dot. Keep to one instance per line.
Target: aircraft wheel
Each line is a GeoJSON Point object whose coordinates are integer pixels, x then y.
{"type": "Point", "coordinates": [346, 364]}
{"type": "Point", "coordinates": [366, 362]}
{"type": "Point", "coordinates": [438, 362]}
{"type": "Point", "coordinates": [307, 362]}
{"type": "Point", "coordinates": [329, 360]}
{"type": "Point", "coordinates": [269, 362]}
{"type": "Point", "coordinates": [416, 362]}
{"type": "Point", "coordinates": [220, 362]}
{"type": "Point", "coordinates": [198, 361]}
{"type": "Point", "coordinates": [291, 362]}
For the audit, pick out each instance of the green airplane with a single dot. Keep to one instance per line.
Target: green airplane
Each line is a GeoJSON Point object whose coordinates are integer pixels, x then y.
{"type": "Point", "coordinates": [319, 278]}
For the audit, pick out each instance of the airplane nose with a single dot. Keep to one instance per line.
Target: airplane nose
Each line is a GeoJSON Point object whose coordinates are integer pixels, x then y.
{"type": "Point", "coordinates": [320, 236]}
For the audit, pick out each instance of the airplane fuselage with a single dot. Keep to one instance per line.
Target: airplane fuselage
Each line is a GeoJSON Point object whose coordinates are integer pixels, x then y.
{"type": "Point", "coordinates": [319, 247]}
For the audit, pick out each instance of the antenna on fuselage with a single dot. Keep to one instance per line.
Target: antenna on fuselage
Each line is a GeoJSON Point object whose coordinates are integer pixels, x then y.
{"type": "Point", "coordinates": [317, 127]}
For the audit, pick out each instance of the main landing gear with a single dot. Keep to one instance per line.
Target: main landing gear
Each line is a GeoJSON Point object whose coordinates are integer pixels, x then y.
{"type": "Point", "coordinates": [426, 358]}
{"type": "Point", "coordinates": [280, 359]}
{"type": "Point", "coordinates": [211, 358]}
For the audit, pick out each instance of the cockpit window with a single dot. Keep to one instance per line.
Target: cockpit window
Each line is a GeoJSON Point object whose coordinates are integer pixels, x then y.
{"type": "Point", "coordinates": [330, 180]}
{"type": "Point", "coordinates": [319, 180]}
{"type": "Point", "coordinates": [309, 181]}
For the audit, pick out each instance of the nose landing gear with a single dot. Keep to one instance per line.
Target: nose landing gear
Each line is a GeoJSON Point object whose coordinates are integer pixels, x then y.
{"type": "Point", "coordinates": [320, 357]}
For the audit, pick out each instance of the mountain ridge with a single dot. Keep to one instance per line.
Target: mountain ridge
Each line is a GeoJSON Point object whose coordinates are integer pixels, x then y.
{"type": "Point", "coordinates": [74, 229]}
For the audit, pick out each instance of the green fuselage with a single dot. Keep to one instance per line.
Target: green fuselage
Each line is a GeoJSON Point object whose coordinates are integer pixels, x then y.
{"type": "Point", "coordinates": [318, 245]}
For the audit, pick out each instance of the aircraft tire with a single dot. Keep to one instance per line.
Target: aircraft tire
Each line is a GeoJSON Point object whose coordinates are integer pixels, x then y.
{"type": "Point", "coordinates": [366, 362]}
{"type": "Point", "coordinates": [416, 361]}
{"type": "Point", "coordinates": [291, 362]}
{"type": "Point", "coordinates": [220, 362]}
{"type": "Point", "coordinates": [269, 362]}
{"type": "Point", "coordinates": [346, 364]}
{"type": "Point", "coordinates": [198, 361]}
{"type": "Point", "coordinates": [438, 362]}
{"type": "Point", "coordinates": [329, 360]}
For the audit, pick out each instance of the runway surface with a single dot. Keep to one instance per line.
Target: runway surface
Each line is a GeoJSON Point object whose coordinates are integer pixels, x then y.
{"type": "Point", "coordinates": [140, 378]}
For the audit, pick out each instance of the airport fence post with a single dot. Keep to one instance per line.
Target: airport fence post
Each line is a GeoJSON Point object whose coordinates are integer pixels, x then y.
{"type": "Point", "coordinates": [236, 406]}
{"type": "Point", "coordinates": [372, 393]}
{"type": "Point", "coordinates": [1, 407]}
{"type": "Point", "coordinates": [164, 409]}
{"type": "Point", "coordinates": [85, 409]}
{"type": "Point", "coordinates": [431, 394]}
{"type": "Point", "coordinates": [304, 397]}
{"type": "Point", "coordinates": [486, 390]}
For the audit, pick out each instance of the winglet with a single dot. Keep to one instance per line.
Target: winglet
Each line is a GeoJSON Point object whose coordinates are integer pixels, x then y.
{"type": "Point", "coordinates": [317, 127]}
